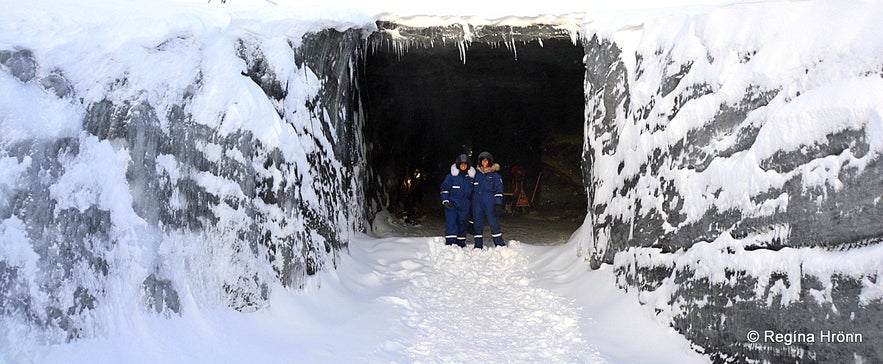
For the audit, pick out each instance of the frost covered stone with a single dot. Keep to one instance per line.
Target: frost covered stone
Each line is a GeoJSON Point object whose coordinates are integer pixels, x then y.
{"type": "Point", "coordinates": [21, 63]}
{"type": "Point", "coordinates": [160, 296]}
{"type": "Point", "coordinates": [734, 177]}
{"type": "Point", "coordinates": [233, 171]}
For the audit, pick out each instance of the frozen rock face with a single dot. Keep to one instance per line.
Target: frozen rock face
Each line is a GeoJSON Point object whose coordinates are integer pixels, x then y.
{"type": "Point", "coordinates": [734, 176]}
{"type": "Point", "coordinates": [240, 171]}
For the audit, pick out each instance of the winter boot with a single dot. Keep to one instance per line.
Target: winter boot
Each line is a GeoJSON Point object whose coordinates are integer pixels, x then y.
{"type": "Point", "coordinates": [479, 241]}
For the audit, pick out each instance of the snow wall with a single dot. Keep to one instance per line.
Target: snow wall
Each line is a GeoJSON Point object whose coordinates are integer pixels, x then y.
{"type": "Point", "coordinates": [199, 164]}
{"type": "Point", "coordinates": [733, 166]}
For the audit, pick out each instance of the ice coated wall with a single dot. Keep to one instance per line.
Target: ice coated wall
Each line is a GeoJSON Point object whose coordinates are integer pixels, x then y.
{"type": "Point", "coordinates": [200, 164]}
{"type": "Point", "coordinates": [733, 164]}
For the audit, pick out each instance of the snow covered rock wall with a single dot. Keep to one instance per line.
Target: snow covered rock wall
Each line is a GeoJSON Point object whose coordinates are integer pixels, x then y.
{"type": "Point", "coordinates": [735, 177]}
{"type": "Point", "coordinates": [182, 164]}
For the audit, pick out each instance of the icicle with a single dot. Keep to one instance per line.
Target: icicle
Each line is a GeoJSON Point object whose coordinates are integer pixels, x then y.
{"type": "Point", "coordinates": [464, 43]}
{"type": "Point", "coordinates": [781, 233]}
{"type": "Point", "coordinates": [462, 46]}
{"type": "Point", "coordinates": [574, 36]}
{"type": "Point", "coordinates": [511, 46]}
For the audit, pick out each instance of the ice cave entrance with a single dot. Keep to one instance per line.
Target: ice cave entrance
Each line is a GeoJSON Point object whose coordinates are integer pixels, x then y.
{"type": "Point", "coordinates": [516, 92]}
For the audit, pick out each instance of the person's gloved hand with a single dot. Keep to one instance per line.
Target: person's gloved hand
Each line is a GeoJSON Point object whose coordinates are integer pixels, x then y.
{"type": "Point", "coordinates": [447, 204]}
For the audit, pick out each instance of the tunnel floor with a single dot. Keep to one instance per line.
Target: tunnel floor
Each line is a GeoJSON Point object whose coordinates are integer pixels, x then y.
{"type": "Point", "coordinates": [551, 228]}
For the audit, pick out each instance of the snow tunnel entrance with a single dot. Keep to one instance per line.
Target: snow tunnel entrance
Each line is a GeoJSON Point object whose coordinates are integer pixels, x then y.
{"type": "Point", "coordinates": [521, 100]}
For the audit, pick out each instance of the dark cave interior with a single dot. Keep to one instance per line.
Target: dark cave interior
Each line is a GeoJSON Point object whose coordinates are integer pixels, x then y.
{"type": "Point", "coordinates": [425, 106]}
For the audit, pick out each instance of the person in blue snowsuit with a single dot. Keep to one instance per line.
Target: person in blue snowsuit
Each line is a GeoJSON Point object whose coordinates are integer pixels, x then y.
{"type": "Point", "coordinates": [456, 195]}
{"type": "Point", "coordinates": [486, 194]}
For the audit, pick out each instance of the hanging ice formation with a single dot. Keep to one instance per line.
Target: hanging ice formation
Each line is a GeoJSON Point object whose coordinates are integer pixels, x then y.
{"type": "Point", "coordinates": [400, 36]}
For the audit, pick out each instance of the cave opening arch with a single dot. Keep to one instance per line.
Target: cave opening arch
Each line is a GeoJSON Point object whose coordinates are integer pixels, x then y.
{"type": "Point", "coordinates": [432, 93]}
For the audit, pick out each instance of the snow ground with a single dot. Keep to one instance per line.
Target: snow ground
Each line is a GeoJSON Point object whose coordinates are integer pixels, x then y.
{"type": "Point", "coordinates": [413, 299]}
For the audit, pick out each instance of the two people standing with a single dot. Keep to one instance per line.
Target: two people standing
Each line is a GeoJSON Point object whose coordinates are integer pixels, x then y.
{"type": "Point", "coordinates": [474, 191]}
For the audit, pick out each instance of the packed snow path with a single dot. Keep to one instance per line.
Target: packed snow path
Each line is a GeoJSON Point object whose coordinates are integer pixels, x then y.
{"type": "Point", "coordinates": [527, 302]}
{"type": "Point", "coordinates": [479, 305]}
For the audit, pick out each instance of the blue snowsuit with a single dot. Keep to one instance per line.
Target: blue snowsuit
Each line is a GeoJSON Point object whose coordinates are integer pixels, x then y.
{"type": "Point", "coordinates": [488, 191]}
{"type": "Point", "coordinates": [457, 189]}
